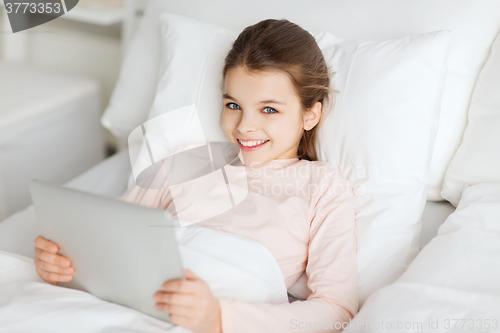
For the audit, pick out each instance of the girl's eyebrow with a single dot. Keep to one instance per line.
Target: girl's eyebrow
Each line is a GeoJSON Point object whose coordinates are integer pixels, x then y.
{"type": "Point", "coordinates": [267, 101]}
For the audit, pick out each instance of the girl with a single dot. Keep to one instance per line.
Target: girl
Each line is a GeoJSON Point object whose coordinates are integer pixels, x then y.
{"type": "Point", "coordinates": [275, 83]}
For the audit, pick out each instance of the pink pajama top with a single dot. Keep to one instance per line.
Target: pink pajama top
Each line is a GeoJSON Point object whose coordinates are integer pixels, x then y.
{"type": "Point", "coordinates": [303, 212]}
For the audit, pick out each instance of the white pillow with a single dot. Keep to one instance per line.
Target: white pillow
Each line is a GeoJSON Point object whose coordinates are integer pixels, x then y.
{"type": "Point", "coordinates": [473, 24]}
{"type": "Point", "coordinates": [386, 117]}
{"type": "Point", "coordinates": [193, 54]}
{"type": "Point", "coordinates": [381, 135]}
{"type": "Point", "coordinates": [478, 158]}
{"type": "Point", "coordinates": [186, 86]}
{"type": "Point", "coordinates": [135, 89]}
{"type": "Point", "coordinates": [465, 253]}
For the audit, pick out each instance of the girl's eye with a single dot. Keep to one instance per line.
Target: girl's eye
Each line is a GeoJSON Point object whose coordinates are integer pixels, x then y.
{"type": "Point", "coordinates": [269, 108]}
{"type": "Point", "coordinates": [233, 106]}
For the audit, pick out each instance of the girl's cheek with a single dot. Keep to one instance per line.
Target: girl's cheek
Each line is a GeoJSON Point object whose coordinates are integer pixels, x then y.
{"type": "Point", "coordinates": [228, 122]}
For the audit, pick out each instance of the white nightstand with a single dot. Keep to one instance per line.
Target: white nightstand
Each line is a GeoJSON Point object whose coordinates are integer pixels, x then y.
{"type": "Point", "coordinates": [49, 130]}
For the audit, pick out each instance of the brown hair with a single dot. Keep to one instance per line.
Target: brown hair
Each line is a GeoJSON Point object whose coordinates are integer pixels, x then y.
{"type": "Point", "coordinates": [282, 45]}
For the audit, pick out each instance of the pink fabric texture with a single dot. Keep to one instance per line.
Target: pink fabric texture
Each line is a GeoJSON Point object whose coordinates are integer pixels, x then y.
{"type": "Point", "coordinates": [303, 212]}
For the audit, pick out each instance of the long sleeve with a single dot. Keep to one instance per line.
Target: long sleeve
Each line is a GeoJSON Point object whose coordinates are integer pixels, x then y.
{"type": "Point", "coordinates": [152, 192]}
{"type": "Point", "coordinates": [331, 269]}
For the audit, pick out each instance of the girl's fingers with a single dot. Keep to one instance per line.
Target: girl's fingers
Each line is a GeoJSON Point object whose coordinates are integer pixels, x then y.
{"type": "Point", "coordinates": [58, 277]}
{"type": "Point", "coordinates": [46, 245]}
{"type": "Point", "coordinates": [174, 310]}
{"type": "Point", "coordinates": [52, 258]}
{"type": "Point", "coordinates": [181, 320]}
{"type": "Point", "coordinates": [51, 267]}
{"type": "Point", "coordinates": [175, 298]}
{"type": "Point", "coordinates": [48, 267]}
{"type": "Point", "coordinates": [53, 277]}
{"type": "Point", "coordinates": [181, 286]}
{"type": "Point", "coordinates": [190, 275]}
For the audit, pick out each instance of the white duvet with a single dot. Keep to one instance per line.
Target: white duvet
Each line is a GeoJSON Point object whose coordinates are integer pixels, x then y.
{"type": "Point", "coordinates": [236, 268]}
{"type": "Point", "coordinates": [453, 285]}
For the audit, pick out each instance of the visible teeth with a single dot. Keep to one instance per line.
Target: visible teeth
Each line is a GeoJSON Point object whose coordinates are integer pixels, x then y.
{"type": "Point", "coordinates": [252, 143]}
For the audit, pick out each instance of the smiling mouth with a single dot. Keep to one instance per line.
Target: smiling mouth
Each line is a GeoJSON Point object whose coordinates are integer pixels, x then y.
{"type": "Point", "coordinates": [253, 143]}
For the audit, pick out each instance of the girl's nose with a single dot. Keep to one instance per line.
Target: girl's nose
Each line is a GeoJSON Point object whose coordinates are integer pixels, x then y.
{"type": "Point", "coordinates": [247, 123]}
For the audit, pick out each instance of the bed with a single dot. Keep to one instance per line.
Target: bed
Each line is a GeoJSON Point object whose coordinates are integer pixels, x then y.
{"type": "Point", "coordinates": [427, 221]}
{"type": "Point", "coordinates": [25, 294]}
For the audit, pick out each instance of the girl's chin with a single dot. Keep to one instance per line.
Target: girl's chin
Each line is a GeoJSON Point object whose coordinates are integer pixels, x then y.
{"type": "Point", "coordinates": [252, 161]}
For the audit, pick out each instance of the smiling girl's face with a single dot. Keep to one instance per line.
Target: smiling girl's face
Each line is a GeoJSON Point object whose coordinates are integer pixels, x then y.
{"type": "Point", "coordinates": [263, 106]}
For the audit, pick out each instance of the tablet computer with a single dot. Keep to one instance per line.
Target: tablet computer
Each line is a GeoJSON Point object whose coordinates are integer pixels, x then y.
{"type": "Point", "coordinates": [121, 252]}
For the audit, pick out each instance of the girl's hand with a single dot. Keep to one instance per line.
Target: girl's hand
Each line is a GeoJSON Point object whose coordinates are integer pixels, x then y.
{"type": "Point", "coordinates": [190, 304]}
{"type": "Point", "coordinates": [51, 267]}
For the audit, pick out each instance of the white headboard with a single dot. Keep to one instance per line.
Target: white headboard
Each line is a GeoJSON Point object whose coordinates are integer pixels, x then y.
{"type": "Point", "coordinates": [348, 19]}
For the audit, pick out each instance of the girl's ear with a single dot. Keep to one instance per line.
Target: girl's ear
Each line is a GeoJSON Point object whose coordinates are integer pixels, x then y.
{"type": "Point", "coordinates": [312, 116]}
